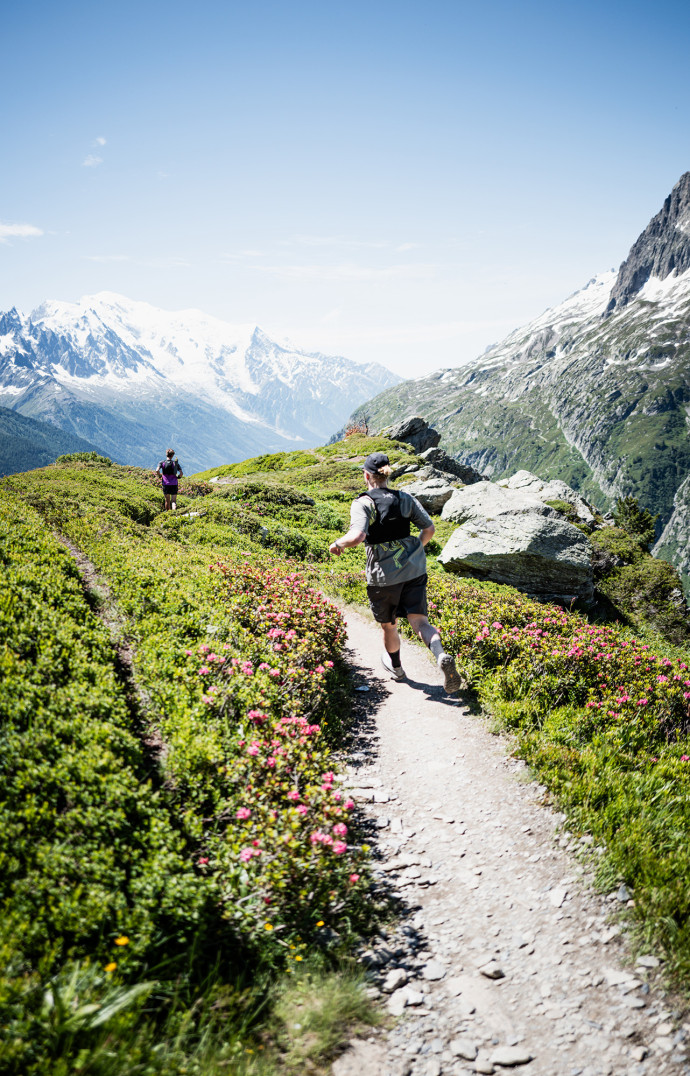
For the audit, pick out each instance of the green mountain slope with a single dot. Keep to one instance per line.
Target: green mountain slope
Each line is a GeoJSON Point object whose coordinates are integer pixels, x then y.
{"type": "Point", "coordinates": [174, 849]}
{"type": "Point", "coordinates": [593, 393]}
{"type": "Point", "coordinates": [26, 443]}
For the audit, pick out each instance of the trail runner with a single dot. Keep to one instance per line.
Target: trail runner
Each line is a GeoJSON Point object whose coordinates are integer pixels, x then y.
{"type": "Point", "coordinates": [396, 565]}
{"type": "Point", "coordinates": [169, 469]}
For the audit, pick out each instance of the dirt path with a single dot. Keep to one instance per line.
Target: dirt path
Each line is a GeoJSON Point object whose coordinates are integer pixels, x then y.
{"type": "Point", "coordinates": [99, 596]}
{"type": "Point", "coordinates": [506, 957]}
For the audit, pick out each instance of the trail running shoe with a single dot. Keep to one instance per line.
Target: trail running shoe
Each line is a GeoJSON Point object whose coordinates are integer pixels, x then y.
{"type": "Point", "coordinates": [452, 680]}
{"type": "Point", "coordinates": [397, 674]}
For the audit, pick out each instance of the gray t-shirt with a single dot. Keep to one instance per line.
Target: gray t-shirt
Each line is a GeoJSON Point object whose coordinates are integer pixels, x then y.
{"type": "Point", "coordinates": [392, 562]}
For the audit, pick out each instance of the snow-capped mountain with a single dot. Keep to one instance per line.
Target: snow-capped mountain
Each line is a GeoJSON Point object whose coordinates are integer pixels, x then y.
{"type": "Point", "coordinates": [595, 391]}
{"type": "Point", "coordinates": [134, 378]}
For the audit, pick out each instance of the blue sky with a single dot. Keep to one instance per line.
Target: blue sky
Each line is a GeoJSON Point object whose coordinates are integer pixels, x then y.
{"type": "Point", "coordinates": [392, 181]}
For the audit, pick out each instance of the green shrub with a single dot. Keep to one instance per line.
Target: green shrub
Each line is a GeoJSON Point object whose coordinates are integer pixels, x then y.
{"type": "Point", "coordinates": [649, 591]}
{"type": "Point", "coordinates": [85, 457]}
{"type": "Point", "coordinates": [618, 543]}
{"type": "Point", "coordinates": [636, 521]}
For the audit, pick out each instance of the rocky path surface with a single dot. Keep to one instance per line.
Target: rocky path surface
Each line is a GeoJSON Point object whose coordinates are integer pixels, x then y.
{"type": "Point", "coordinates": [505, 959]}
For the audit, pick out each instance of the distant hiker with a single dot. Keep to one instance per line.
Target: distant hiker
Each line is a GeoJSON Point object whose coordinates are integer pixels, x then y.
{"type": "Point", "coordinates": [169, 469]}
{"type": "Point", "coordinates": [396, 565]}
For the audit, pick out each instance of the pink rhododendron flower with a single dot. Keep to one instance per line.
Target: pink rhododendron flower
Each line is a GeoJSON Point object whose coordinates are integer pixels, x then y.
{"type": "Point", "coordinates": [302, 809]}
{"type": "Point", "coordinates": [354, 878]}
{"type": "Point", "coordinates": [340, 829]}
{"type": "Point", "coordinates": [252, 749]}
{"type": "Point", "coordinates": [204, 670]}
{"type": "Point", "coordinates": [339, 847]}
{"type": "Point", "coordinates": [243, 812]}
{"type": "Point", "coordinates": [293, 795]}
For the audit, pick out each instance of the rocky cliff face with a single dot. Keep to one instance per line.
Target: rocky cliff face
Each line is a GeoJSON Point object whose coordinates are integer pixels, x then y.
{"type": "Point", "coordinates": [595, 391]}
{"type": "Point", "coordinates": [663, 247]}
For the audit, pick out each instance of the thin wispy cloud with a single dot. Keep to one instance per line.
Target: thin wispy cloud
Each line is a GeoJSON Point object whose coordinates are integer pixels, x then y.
{"type": "Point", "coordinates": [350, 272]}
{"type": "Point", "coordinates": [238, 255]}
{"type": "Point", "coordinates": [332, 241]}
{"type": "Point", "coordinates": [172, 262]}
{"type": "Point", "coordinates": [100, 141]}
{"type": "Point", "coordinates": [107, 257]}
{"type": "Point", "coordinates": [18, 231]}
{"type": "Point", "coordinates": [91, 161]}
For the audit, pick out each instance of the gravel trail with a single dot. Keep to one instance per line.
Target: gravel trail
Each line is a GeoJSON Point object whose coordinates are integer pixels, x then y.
{"type": "Point", "coordinates": [506, 960]}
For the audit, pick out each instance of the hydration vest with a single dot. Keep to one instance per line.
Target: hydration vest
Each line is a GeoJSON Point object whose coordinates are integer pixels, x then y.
{"type": "Point", "coordinates": [170, 468]}
{"type": "Point", "coordinates": [390, 524]}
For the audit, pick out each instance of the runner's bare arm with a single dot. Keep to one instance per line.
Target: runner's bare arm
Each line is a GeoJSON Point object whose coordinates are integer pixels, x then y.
{"type": "Point", "coordinates": [348, 541]}
{"type": "Point", "coordinates": [427, 534]}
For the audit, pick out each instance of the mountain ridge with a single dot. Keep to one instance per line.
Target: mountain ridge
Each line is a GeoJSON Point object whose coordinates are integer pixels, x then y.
{"type": "Point", "coordinates": [595, 394]}
{"type": "Point", "coordinates": [134, 378]}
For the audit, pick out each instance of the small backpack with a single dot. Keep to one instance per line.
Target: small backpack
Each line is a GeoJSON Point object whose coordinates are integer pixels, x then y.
{"type": "Point", "coordinates": [170, 467]}
{"type": "Point", "coordinates": [390, 525]}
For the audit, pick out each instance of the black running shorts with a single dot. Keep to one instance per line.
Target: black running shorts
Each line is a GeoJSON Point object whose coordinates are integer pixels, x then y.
{"type": "Point", "coordinates": [400, 599]}
{"type": "Point", "coordinates": [170, 489]}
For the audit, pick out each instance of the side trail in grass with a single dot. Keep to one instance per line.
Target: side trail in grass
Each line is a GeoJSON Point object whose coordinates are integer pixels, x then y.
{"type": "Point", "coordinates": [98, 594]}
{"type": "Point", "coordinates": [506, 957]}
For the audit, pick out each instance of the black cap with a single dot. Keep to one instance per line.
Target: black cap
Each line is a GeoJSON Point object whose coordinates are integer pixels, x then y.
{"type": "Point", "coordinates": [374, 461]}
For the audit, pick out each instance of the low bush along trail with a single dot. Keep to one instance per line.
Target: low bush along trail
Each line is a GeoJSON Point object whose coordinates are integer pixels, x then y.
{"type": "Point", "coordinates": [246, 851]}
{"type": "Point", "coordinates": [237, 661]}
{"type": "Point", "coordinates": [604, 720]}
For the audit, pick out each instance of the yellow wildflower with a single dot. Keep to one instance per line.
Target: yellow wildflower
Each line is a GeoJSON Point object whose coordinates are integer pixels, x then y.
{"type": "Point", "coordinates": [111, 966]}
{"type": "Point", "coordinates": [122, 940]}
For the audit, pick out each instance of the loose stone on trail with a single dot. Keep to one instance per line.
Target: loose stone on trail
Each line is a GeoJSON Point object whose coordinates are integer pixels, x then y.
{"type": "Point", "coordinates": [509, 1056]}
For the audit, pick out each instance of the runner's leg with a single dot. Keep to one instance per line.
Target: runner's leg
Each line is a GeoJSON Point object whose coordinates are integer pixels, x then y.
{"type": "Point", "coordinates": [431, 637]}
{"type": "Point", "coordinates": [391, 639]}
{"type": "Point", "coordinates": [426, 631]}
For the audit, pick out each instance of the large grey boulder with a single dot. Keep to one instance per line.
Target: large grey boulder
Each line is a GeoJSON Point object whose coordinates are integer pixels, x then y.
{"type": "Point", "coordinates": [486, 500]}
{"type": "Point", "coordinates": [553, 490]}
{"type": "Point", "coordinates": [545, 557]}
{"type": "Point", "coordinates": [432, 495]}
{"type": "Point", "coordinates": [414, 431]}
{"type": "Point", "coordinates": [449, 465]}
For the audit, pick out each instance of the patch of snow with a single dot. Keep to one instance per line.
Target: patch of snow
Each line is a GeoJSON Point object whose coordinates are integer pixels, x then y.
{"type": "Point", "coordinates": [658, 289]}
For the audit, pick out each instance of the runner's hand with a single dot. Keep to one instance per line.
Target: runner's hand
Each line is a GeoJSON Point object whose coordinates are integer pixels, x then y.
{"type": "Point", "coordinates": [335, 548]}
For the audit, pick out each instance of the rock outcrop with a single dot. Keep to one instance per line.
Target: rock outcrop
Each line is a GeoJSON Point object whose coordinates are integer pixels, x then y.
{"type": "Point", "coordinates": [541, 556]}
{"type": "Point", "coordinates": [488, 501]}
{"type": "Point", "coordinates": [554, 490]}
{"type": "Point", "coordinates": [414, 431]}
{"type": "Point", "coordinates": [432, 494]}
{"type": "Point", "coordinates": [441, 461]}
